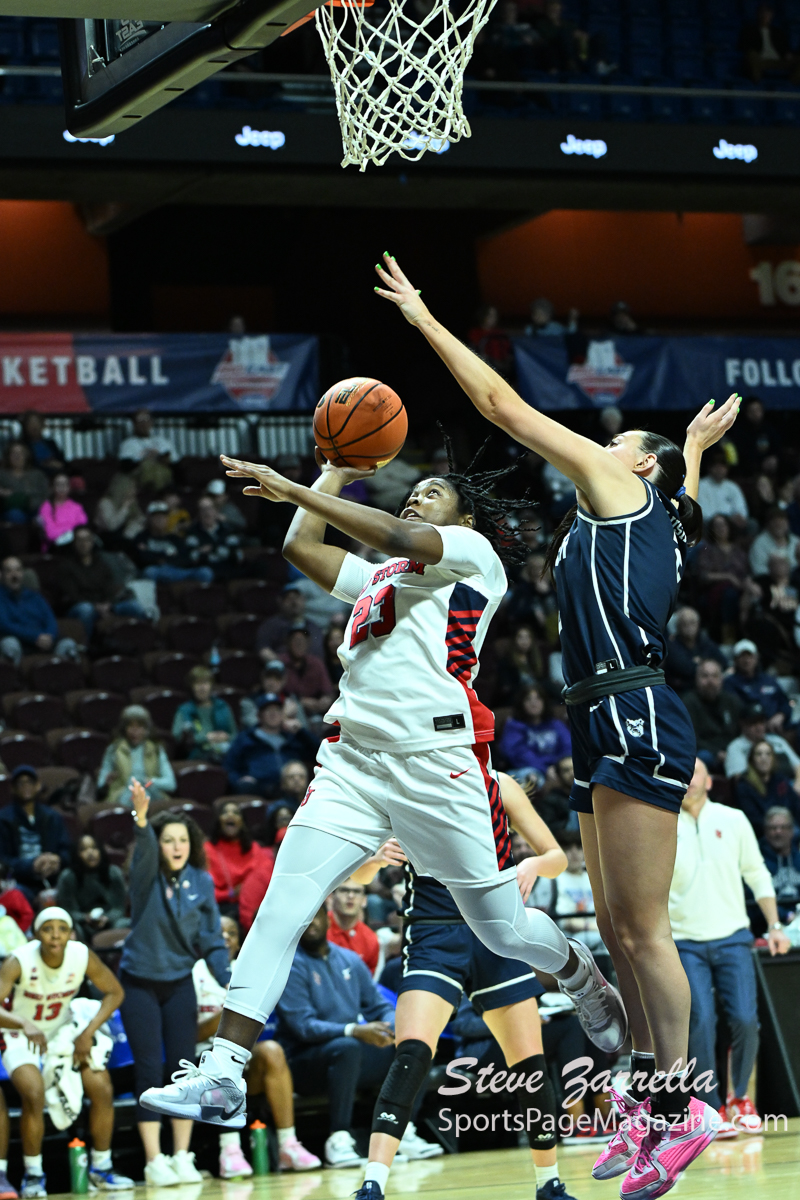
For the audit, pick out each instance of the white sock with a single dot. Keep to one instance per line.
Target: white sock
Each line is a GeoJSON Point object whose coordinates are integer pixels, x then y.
{"type": "Point", "coordinates": [101, 1160]}
{"type": "Point", "coordinates": [228, 1059]}
{"type": "Point", "coordinates": [285, 1135]}
{"type": "Point", "coordinates": [4, 1165]}
{"type": "Point", "coordinates": [230, 1139]}
{"type": "Point", "coordinates": [377, 1173]}
{"type": "Point", "coordinates": [545, 1174]}
{"type": "Point", "coordinates": [32, 1164]}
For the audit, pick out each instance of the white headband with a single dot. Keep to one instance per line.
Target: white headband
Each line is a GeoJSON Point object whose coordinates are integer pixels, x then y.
{"type": "Point", "coordinates": [53, 913]}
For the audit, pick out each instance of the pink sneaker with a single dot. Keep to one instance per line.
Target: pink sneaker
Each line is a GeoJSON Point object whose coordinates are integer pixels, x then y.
{"type": "Point", "coordinates": [295, 1157]}
{"type": "Point", "coordinates": [620, 1152]}
{"type": "Point", "coordinates": [232, 1163]}
{"type": "Point", "coordinates": [665, 1154]}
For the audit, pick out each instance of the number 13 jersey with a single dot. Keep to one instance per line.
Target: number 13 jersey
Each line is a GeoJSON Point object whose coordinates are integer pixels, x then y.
{"type": "Point", "coordinates": [410, 650]}
{"type": "Point", "coordinates": [43, 993]}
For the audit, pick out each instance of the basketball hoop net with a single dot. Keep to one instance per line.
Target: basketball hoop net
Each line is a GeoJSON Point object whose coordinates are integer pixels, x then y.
{"type": "Point", "coordinates": [399, 79]}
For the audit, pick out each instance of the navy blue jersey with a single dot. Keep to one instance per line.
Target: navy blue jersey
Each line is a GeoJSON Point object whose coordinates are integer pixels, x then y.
{"type": "Point", "coordinates": [617, 580]}
{"type": "Point", "coordinates": [428, 900]}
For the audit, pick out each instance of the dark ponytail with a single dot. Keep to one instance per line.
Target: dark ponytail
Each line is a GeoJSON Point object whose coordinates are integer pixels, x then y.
{"type": "Point", "coordinates": [668, 477]}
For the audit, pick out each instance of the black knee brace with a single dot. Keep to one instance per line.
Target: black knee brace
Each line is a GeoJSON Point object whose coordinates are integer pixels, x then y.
{"type": "Point", "coordinates": [406, 1075]}
{"type": "Point", "coordinates": [538, 1108]}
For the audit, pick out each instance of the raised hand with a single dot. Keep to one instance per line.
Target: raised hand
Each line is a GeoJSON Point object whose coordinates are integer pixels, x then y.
{"type": "Point", "coordinates": [270, 485]}
{"type": "Point", "coordinates": [400, 291]}
{"type": "Point", "coordinates": [712, 423]}
{"type": "Point", "coordinates": [140, 802]}
{"type": "Point", "coordinates": [344, 474]}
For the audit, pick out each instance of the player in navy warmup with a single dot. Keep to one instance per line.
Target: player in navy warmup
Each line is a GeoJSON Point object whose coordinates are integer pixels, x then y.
{"type": "Point", "coordinates": [617, 560]}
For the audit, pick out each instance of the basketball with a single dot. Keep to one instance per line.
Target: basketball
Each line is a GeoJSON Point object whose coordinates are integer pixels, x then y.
{"type": "Point", "coordinates": [360, 423]}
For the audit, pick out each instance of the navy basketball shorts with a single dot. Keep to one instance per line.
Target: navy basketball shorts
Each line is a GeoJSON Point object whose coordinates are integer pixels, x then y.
{"type": "Point", "coordinates": [449, 960]}
{"type": "Point", "coordinates": [641, 743]}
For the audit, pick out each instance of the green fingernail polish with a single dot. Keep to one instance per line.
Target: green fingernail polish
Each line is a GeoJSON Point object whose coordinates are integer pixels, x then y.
{"type": "Point", "coordinates": [376, 289]}
{"type": "Point", "coordinates": [419, 291]}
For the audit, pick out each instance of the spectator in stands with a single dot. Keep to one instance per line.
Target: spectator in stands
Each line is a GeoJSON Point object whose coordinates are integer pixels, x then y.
{"type": "Point", "coordinates": [55, 967]}
{"type": "Point", "coordinates": [767, 49]}
{"type": "Point", "coordinates": [488, 340]}
{"type": "Point", "coordinates": [229, 513]}
{"type": "Point", "coordinates": [60, 515]}
{"type": "Point", "coordinates": [714, 712]}
{"type": "Point", "coordinates": [266, 1074]}
{"type": "Point", "coordinates": [257, 756]}
{"type": "Point", "coordinates": [770, 610]}
{"type": "Point", "coordinates": [254, 885]}
{"type": "Point", "coordinates": [45, 454]}
{"type": "Point", "coordinates": [119, 518]}
{"type": "Point", "coordinates": [334, 636]}
{"type": "Point", "coordinates": [753, 723]}
{"type": "Point", "coordinates": [27, 622]}
{"type": "Point", "coordinates": [337, 1031]}
{"type": "Point", "coordinates": [753, 686]}
{"type": "Point", "coordinates": [532, 739]}
{"type": "Point", "coordinates": [203, 726]}
{"type": "Point", "coordinates": [716, 850]}
{"type": "Point", "coordinates": [793, 508]}
{"type": "Point", "coordinates": [611, 421]}
{"type": "Point", "coordinates": [178, 520]}
{"type": "Point", "coordinates": [542, 322]}
{"type": "Point", "coordinates": [520, 667]}
{"type": "Point", "coordinates": [274, 632]}
{"type": "Point", "coordinates": [782, 857]}
{"type": "Point", "coordinates": [93, 890]}
{"type": "Point", "coordinates": [686, 647]}
{"type": "Point", "coordinates": [231, 854]}
{"type": "Point", "coordinates": [722, 571]}
{"type": "Point", "coordinates": [717, 494]}
{"type": "Point", "coordinates": [552, 803]}
{"type": "Point", "coordinates": [34, 843]}
{"type": "Point", "coordinates": [211, 543]}
{"type": "Point", "coordinates": [135, 756]}
{"type": "Point", "coordinates": [574, 902]}
{"type": "Point", "coordinates": [89, 590]}
{"type": "Point", "coordinates": [533, 599]}
{"type": "Point", "coordinates": [306, 674]}
{"type": "Point", "coordinates": [776, 538]}
{"type": "Point", "coordinates": [294, 784]}
{"type": "Point", "coordinates": [763, 787]}
{"type": "Point", "coordinates": [346, 927]}
{"type": "Point", "coordinates": [23, 488]}
{"type": "Point", "coordinates": [151, 451]}
{"type": "Point", "coordinates": [273, 683]}
{"type": "Point", "coordinates": [163, 556]}
{"type": "Point", "coordinates": [621, 319]}
{"type": "Point", "coordinates": [174, 921]}
{"type": "Point", "coordinates": [17, 908]}
{"type": "Point", "coordinates": [562, 47]}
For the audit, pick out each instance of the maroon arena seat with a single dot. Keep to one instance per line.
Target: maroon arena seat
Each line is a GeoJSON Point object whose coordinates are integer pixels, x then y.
{"type": "Point", "coordinates": [190, 635]}
{"type": "Point", "coordinates": [119, 673]}
{"type": "Point", "coordinates": [17, 748]}
{"type": "Point", "coordinates": [161, 703]}
{"type": "Point", "coordinates": [239, 630]}
{"type": "Point", "coordinates": [203, 599]}
{"type": "Point", "coordinates": [128, 636]}
{"type": "Point", "coordinates": [82, 749]}
{"type": "Point", "coordinates": [239, 669]}
{"type": "Point", "coordinates": [34, 712]}
{"type": "Point", "coordinates": [56, 675]}
{"type": "Point", "coordinates": [254, 596]}
{"type": "Point", "coordinates": [93, 708]}
{"type": "Point", "coordinates": [9, 679]}
{"type": "Point", "coordinates": [53, 778]}
{"type": "Point", "coordinates": [254, 810]}
{"type": "Point", "coordinates": [112, 827]}
{"type": "Point", "coordinates": [199, 781]}
{"type": "Point", "coordinates": [169, 668]}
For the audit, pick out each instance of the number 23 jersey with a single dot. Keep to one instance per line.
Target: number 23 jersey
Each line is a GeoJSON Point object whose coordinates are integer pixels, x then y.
{"type": "Point", "coordinates": [43, 993]}
{"type": "Point", "coordinates": [410, 650]}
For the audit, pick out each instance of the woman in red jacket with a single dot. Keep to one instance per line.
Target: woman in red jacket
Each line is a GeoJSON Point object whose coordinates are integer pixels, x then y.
{"type": "Point", "coordinates": [231, 854]}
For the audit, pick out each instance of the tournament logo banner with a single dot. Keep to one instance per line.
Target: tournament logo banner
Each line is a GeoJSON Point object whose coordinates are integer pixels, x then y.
{"type": "Point", "coordinates": [177, 373]}
{"type": "Point", "coordinates": [655, 373]}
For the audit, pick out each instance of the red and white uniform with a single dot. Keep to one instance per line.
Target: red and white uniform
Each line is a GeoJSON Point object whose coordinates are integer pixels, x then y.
{"type": "Point", "coordinates": [412, 758]}
{"type": "Point", "coordinates": [43, 995]}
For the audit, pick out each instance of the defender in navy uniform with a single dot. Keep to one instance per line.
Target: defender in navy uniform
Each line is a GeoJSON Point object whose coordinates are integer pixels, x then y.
{"type": "Point", "coordinates": [620, 555]}
{"type": "Point", "coordinates": [442, 961]}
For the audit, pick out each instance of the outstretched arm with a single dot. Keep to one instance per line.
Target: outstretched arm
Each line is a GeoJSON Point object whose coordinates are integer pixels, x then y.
{"type": "Point", "coordinates": [304, 545]}
{"type": "Point", "coordinates": [705, 430]}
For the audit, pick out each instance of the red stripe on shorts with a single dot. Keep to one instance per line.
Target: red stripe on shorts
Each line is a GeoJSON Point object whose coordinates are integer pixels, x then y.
{"type": "Point", "coordinates": [502, 834]}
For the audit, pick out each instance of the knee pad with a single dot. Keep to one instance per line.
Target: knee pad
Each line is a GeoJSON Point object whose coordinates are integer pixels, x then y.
{"type": "Point", "coordinates": [538, 1109]}
{"type": "Point", "coordinates": [406, 1075]}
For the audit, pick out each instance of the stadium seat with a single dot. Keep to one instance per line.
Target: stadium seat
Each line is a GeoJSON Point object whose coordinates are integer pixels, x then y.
{"type": "Point", "coordinates": [687, 65]}
{"type": "Point", "coordinates": [239, 629]}
{"type": "Point", "coordinates": [726, 65]}
{"type": "Point", "coordinates": [161, 703]}
{"type": "Point", "coordinates": [643, 63]}
{"type": "Point", "coordinates": [202, 599]}
{"type": "Point", "coordinates": [71, 627]}
{"type": "Point", "coordinates": [53, 778]}
{"type": "Point", "coordinates": [254, 595]}
{"type": "Point", "coordinates": [128, 635]}
{"type": "Point", "coordinates": [94, 708]}
{"type": "Point", "coordinates": [14, 539]}
{"type": "Point", "coordinates": [112, 827]}
{"type": "Point", "coordinates": [625, 106]}
{"type": "Point", "coordinates": [12, 39]}
{"type": "Point", "coordinates": [43, 41]}
{"type": "Point", "coordinates": [9, 678]}
{"type": "Point", "coordinates": [722, 791]}
{"type": "Point", "coordinates": [33, 712]}
{"type": "Point", "coordinates": [17, 748]}
{"type": "Point", "coordinates": [54, 675]}
{"type": "Point", "coordinates": [96, 473]}
{"type": "Point", "coordinates": [644, 33]}
{"type": "Point", "coordinates": [202, 782]}
{"type": "Point", "coordinates": [239, 669]}
{"type": "Point", "coordinates": [232, 696]}
{"type": "Point", "coordinates": [190, 635]}
{"type": "Point", "coordinates": [581, 103]}
{"type": "Point", "coordinates": [685, 35]}
{"type": "Point", "coordinates": [254, 810]}
{"type": "Point", "coordinates": [82, 749]}
{"type": "Point", "coordinates": [197, 470]}
{"type": "Point", "coordinates": [747, 110]}
{"type": "Point", "coordinates": [204, 816]}
{"type": "Point", "coordinates": [169, 668]}
{"type": "Point", "coordinates": [680, 10]}
{"type": "Point", "coordinates": [786, 112]}
{"type": "Point", "coordinates": [665, 108]}
{"type": "Point", "coordinates": [117, 673]}
{"type": "Point", "coordinates": [707, 108]}
{"type": "Point", "coordinates": [644, 8]}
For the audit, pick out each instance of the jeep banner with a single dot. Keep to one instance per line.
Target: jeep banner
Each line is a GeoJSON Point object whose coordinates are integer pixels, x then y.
{"type": "Point", "coordinates": [177, 373]}
{"type": "Point", "coordinates": [640, 373]}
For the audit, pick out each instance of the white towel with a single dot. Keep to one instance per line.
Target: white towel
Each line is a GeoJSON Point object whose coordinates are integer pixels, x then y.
{"type": "Point", "coordinates": [63, 1085]}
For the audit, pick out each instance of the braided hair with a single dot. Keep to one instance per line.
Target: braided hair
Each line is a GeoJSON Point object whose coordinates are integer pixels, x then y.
{"type": "Point", "coordinates": [476, 498]}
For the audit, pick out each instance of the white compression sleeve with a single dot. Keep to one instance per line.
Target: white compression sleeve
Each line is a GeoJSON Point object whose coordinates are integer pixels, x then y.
{"type": "Point", "coordinates": [309, 866]}
{"type": "Point", "coordinates": [498, 917]}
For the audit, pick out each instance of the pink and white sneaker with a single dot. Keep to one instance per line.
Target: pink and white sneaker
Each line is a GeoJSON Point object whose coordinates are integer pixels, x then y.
{"type": "Point", "coordinates": [621, 1151]}
{"type": "Point", "coordinates": [232, 1163]}
{"type": "Point", "coordinates": [665, 1154]}
{"type": "Point", "coordinates": [294, 1157]}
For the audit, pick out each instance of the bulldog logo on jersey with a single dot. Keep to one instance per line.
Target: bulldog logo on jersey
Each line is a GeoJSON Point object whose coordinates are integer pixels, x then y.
{"type": "Point", "coordinates": [635, 726]}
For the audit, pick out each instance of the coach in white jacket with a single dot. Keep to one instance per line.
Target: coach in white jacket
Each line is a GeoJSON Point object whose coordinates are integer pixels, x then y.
{"type": "Point", "coordinates": [717, 849]}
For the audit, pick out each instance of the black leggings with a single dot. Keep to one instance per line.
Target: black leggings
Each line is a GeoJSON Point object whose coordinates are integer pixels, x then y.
{"type": "Point", "coordinates": [160, 1021]}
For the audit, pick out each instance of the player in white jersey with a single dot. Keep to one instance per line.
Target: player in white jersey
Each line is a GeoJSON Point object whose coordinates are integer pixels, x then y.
{"type": "Point", "coordinates": [40, 980]}
{"type": "Point", "coordinates": [411, 759]}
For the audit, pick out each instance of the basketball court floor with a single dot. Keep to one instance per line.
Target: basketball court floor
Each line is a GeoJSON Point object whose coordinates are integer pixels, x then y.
{"type": "Point", "coordinates": [755, 1168]}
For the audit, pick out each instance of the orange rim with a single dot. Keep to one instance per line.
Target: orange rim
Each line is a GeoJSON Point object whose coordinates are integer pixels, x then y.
{"type": "Point", "coordinates": [331, 4]}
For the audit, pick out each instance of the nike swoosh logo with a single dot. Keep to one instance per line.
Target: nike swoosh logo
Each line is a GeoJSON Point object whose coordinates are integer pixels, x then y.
{"type": "Point", "coordinates": [459, 774]}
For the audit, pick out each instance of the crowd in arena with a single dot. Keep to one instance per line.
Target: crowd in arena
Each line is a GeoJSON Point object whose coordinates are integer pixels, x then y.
{"type": "Point", "coordinates": [152, 633]}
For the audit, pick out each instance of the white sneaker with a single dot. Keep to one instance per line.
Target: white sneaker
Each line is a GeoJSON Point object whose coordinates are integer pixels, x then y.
{"type": "Point", "coordinates": [182, 1164]}
{"type": "Point", "coordinates": [159, 1172]}
{"type": "Point", "coordinates": [415, 1147]}
{"type": "Point", "coordinates": [340, 1150]}
{"type": "Point", "coordinates": [598, 1005]}
{"type": "Point", "coordinates": [196, 1095]}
